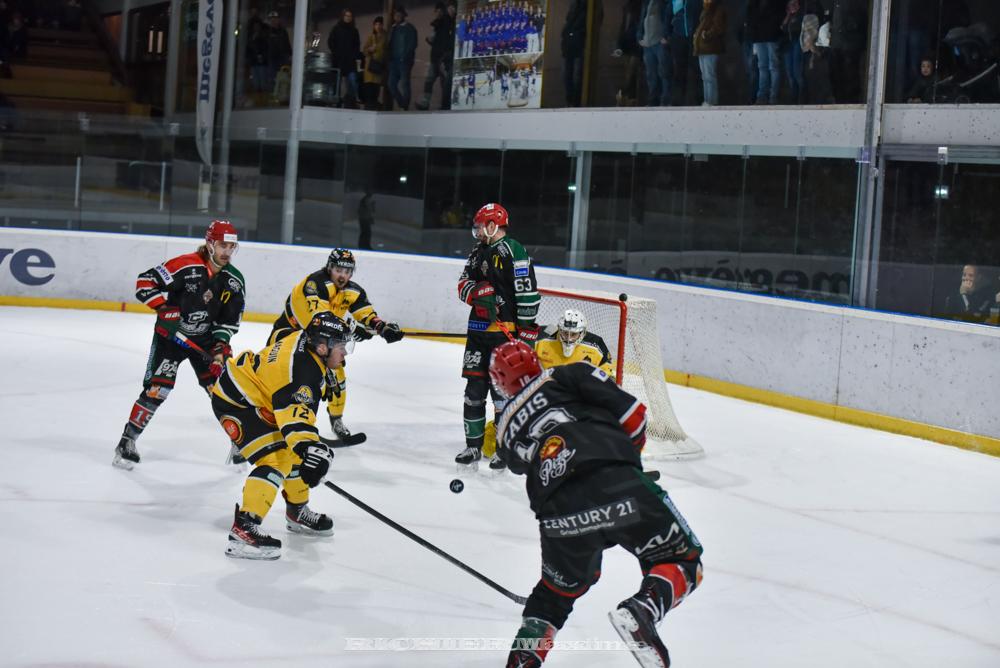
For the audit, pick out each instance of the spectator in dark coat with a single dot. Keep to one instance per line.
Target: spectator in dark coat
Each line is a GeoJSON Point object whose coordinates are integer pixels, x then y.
{"type": "Point", "coordinates": [573, 43]}
{"type": "Point", "coordinates": [763, 28]}
{"type": "Point", "coordinates": [627, 47]}
{"type": "Point", "coordinates": [256, 52]}
{"type": "Point", "coordinates": [279, 47]}
{"type": "Point", "coordinates": [402, 50]}
{"type": "Point", "coordinates": [344, 43]}
{"type": "Point", "coordinates": [682, 17]}
{"type": "Point", "coordinates": [924, 88]}
{"type": "Point", "coordinates": [442, 41]}
{"type": "Point", "coordinates": [971, 302]}
{"type": "Point", "coordinates": [791, 47]}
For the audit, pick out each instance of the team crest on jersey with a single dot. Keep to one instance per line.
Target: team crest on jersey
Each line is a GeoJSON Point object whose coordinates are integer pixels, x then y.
{"type": "Point", "coordinates": [207, 297]}
{"type": "Point", "coordinates": [554, 457]}
{"type": "Point", "coordinates": [485, 267]}
{"type": "Point", "coordinates": [267, 416]}
{"type": "Point", "coordinates": [303, 395]}
{"type": "Point", "coordinates": [233, 427]}
{"type": "Point", "coordinates": [310, 288]}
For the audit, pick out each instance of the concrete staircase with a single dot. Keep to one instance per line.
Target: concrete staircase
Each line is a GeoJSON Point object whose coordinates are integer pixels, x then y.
{"type": "Point", "coordinates": [67, 71]}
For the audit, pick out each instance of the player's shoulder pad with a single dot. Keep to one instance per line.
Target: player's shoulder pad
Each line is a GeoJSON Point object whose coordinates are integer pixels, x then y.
{"type": "Point", "coordinates": [351, 285]}
{"type": "Point", "coordinates": [594, 340]}
{"type": "Point", "coordinates": [514, 247]}
{"type": "Point", "coordinates": [234, 278]}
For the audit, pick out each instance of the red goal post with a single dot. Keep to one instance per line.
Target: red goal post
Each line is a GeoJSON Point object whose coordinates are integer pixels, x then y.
{"type": "Point", "coordinates": [629, 327]}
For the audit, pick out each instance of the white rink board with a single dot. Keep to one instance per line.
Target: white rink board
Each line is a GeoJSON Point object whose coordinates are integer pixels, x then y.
{"type": "Point", "coordinates": [934, 372]}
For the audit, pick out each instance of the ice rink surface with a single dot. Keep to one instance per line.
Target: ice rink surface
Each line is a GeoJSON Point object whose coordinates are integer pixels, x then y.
{"type": "Point", "coordinates": [826, 545]}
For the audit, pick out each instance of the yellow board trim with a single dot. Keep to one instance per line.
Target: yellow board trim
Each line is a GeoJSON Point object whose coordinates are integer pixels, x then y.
{"type": "Point", "coordinates": [959, 439]}
{"type": "Point", "coordinates": [856, 416]}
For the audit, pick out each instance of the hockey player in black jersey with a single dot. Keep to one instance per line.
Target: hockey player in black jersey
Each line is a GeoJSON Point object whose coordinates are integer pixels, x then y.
{"type": "Point", "coordinates": [498, 282]}
{"type": "Point", "coordinates": [198, 298]}
{"type": "Point", "coordinates": [577, 438]}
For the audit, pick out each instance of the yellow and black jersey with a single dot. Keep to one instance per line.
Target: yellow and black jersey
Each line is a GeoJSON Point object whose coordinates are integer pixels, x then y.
{"type": "Point", "coordinates": [284, 382]}
{"type": "Point", "coordinates": [591, 349]}
{"type": "Point", "coordinates": [317, 292]}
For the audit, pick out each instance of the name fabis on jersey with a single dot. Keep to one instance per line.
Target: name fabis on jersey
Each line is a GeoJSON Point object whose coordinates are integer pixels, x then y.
{"type": "Point", "coordinates": [505, 265]}
{"type": "Point", "coordinates": [317, 292]}
{"type": "Point", "coordinates": [211, 303]}
{"type": "Point", "coordinates": [590, 349]}
{"type": "Point", "coordinates": [569, 419]}
{"type": "Point", "coordinates": [284, 382]}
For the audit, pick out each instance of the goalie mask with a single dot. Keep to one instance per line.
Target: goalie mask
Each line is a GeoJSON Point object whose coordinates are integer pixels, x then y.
{"type": "Point", "coordinates": [570, 330]}
{"type": "Point", "coordinates": [512, 366]}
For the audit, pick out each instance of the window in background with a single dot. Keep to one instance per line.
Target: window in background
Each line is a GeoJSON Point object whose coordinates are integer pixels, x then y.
{"type": "Point", "coordinates": [537, 191]}
{"type": "Point", "coordinates": [459, 181]}
{"type": "Point", "coordinates": [320, 217]}
{"type": "Point", "coordinates": [394, 177]}
{"type": "Point", "coordinates": [610, 210]}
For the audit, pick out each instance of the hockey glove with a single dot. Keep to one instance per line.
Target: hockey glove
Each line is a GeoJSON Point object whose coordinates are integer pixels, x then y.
{"type": "Point", "coordinates": [316, 460]}
{"type": "Point", "coordinates": [391, 332]}
{"type": "Point", "coordinates": [220, 352]}
{"type": "Point", "coordinates": [168, 321]}
{"type": "Point", "coordinates": [528, 334]}
{"type": "Point", "coordinates": [483, 300]}
{"type": "Point", "coordinates": [361, 333]}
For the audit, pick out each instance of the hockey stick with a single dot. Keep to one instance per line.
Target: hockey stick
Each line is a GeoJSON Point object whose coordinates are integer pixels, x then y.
{"type": "Point", "coordinates": [520, 600]}
{"type": "Point", "coordinates": [188, 343]}
{"type": "Point", "coordinates": [436, 335]}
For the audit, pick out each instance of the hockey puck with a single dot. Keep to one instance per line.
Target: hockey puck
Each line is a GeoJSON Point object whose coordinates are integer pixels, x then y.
{"type": "Point", "coordinates": [456, 486]}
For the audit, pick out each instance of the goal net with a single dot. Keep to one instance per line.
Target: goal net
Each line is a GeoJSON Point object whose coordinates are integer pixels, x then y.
{"type": "Point", "coordinates": [629, 328]}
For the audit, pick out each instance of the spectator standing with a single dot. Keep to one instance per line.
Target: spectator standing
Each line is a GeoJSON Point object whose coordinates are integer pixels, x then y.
{"type": "Point", "coordinates": [441, 41]}
{"type": "Point", "coordinates": [279, 48]}
{"type": "Point", "coordinates": [683, 17]}
{"type": "Point", "coordinates": [627, 46]}
{"type": "Point", "coordinates": [764, 19]}
{"type": "Point", "coordinates": [344, 43]}
{"type": "Point", "coordinates": [925, 87]}
{"type": "Point", "coordinates": [652, 33]}
{"type": "Point", "coordinates": [815, 63]}
{"type": "Point", "coordinates": [573, 43]}
{"type": "Point", "coordinates": [791, 35]}
{"type": "Point", "coordinates": [847, 42]}
{"type": "Point", "coordinates": [402, 50]}
{"type": "Point", "coordinates": [746, 48]}
{"type": "Point", "coordinates": [260, 73]}
{"type": "Point", "coordinates": [374, 51]}
{"type": "Point", "coordinates": [366, 218]}
{"type": "Point", "coordinates": [709, 44]}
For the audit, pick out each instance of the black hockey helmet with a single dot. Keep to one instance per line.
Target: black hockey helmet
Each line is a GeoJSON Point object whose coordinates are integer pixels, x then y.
{"type": "Point", "coordinates": [326, 328]}
{"type": "Point", "coordinates": [342, 258]}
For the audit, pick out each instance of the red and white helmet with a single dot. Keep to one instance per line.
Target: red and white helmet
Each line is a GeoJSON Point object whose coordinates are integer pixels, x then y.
{"type": "Point", "coordinates": [512, 366]}
{"type": "Point", "coordinates": [221, 230]}
{"type": "Point", "coordinates": [491, 213]}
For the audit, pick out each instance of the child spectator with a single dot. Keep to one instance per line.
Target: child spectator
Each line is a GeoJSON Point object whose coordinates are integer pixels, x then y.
{"type": "Point", "coordinates": [925, 87]}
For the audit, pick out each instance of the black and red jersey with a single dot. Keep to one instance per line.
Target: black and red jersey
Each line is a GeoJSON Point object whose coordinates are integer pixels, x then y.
{"type": "Point", "coordinates": [570, 419]}
{"type": "Point", "coordinates": [211, 303]}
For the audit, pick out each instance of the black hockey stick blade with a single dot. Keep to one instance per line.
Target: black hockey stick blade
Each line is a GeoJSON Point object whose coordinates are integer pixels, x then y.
{"type": "Point", "coordinates": [346, 442]}
{"type": "Point", "coordinates": [435, 335]}
{"type": "Point", "coordinates": [520, 600]}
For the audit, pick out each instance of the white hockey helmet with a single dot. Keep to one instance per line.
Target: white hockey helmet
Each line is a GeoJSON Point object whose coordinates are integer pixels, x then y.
{"type": "Point", "coordinates": [570, 330]}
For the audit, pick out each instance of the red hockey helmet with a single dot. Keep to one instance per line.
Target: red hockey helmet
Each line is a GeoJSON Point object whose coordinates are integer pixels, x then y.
{"type": "Point", "coordinates": [491, 213]}
{"type": "Point", "coordinates": [221, 230]}
{"type": "Point", "coordinates": [512, 366]}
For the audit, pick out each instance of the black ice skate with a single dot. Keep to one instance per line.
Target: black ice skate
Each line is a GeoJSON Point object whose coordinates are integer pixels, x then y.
{"type": "Point", "coordinates": [635, 620]}
{"type": "Point", "coordinates": [247, 541]}
{"type": "Point", "coordinates": [300, 519]}
{"type": "Point", "coordinates": [497, 463]}
{"type": "Point", "coordinates": [469, 457]}
{"type": "Point", "coordinates": [343, 435]}
{"type": "Point", "coordinates": [126, 454]}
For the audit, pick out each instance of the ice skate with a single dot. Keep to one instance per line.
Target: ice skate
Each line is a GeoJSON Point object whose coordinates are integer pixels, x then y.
{"type": "Point", "coordinates": [496, 463]}
{"type": "Point", "coordinates": [247, 541]}
{"type": "Point", "coordinates": [635, 622]}
{"type": "Point", "coordinates": [469, 458]}
{"type": "Point", "coordinates": [300, 519]}
{"type": "Point", "coordinates": [126, 454]}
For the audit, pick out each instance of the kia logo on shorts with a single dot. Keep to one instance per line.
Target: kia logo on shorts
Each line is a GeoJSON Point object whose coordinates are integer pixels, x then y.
{"type": "Point", "coordinates": [28, 265]}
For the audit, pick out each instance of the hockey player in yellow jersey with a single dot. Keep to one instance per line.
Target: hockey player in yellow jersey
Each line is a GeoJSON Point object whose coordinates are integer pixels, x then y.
{"type": "Point", "coordinates": [565, 343]}
{"type": "Point", "coordinates": [332, 289]}
{"type": "Point", "coordinates": [267, 404]}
